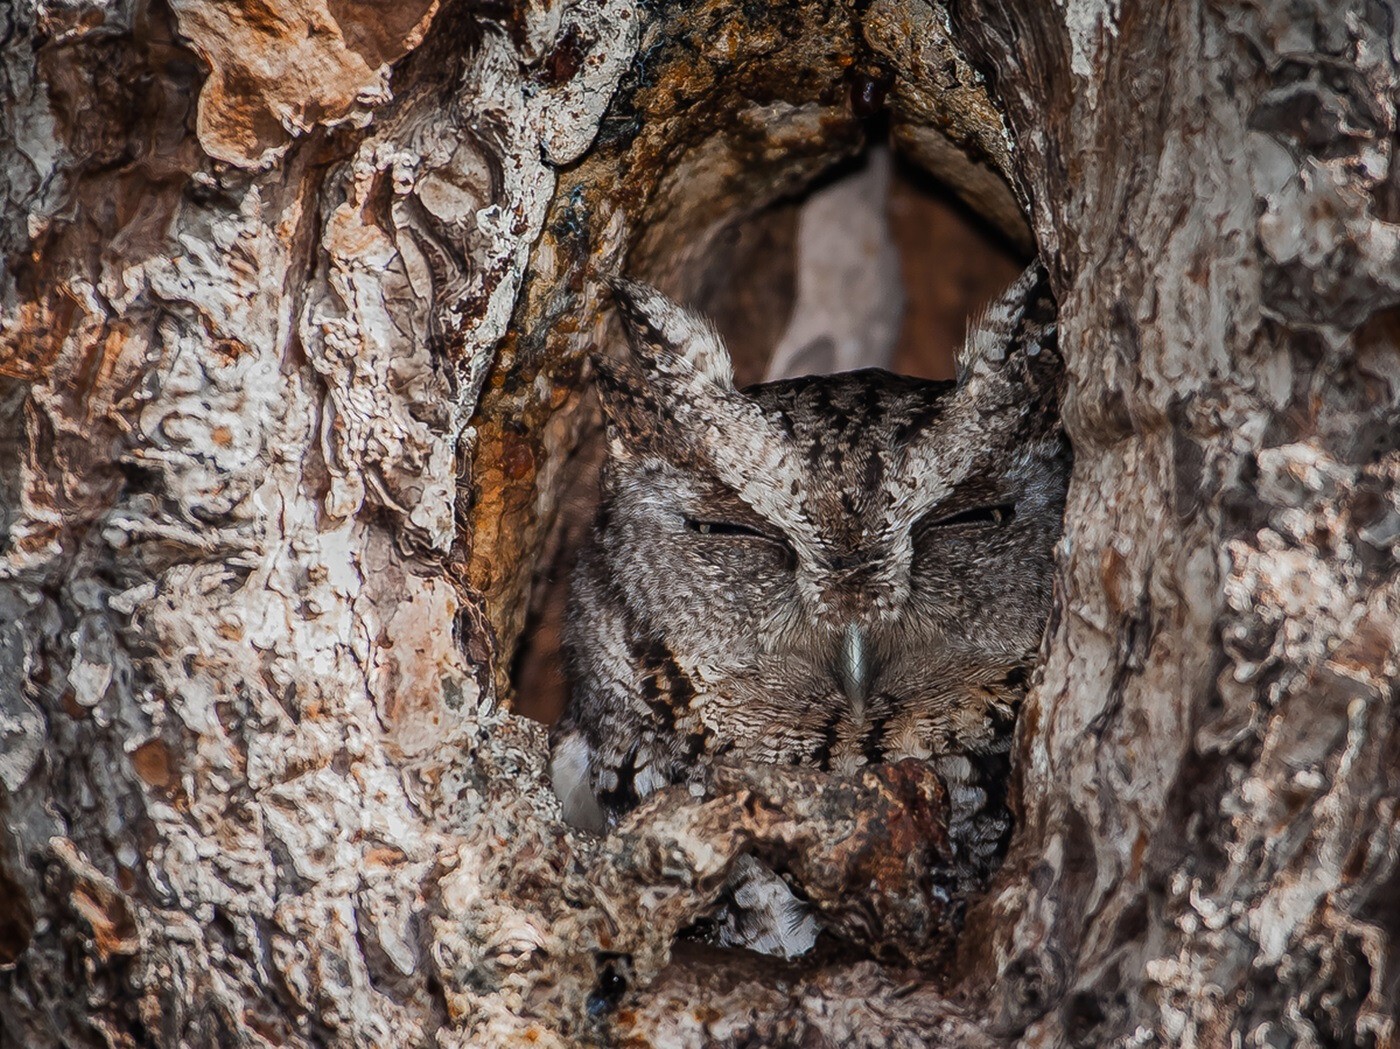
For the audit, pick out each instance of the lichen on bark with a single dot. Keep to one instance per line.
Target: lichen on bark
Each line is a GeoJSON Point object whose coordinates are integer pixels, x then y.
{"type": "Point", "coordinates": [294, 313]}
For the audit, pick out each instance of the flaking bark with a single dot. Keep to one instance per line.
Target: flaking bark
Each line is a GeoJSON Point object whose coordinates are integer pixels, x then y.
{"type": "Point", "coordinates": [293, 315]}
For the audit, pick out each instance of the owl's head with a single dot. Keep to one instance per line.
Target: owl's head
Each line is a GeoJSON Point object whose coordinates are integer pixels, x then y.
{"type": "Point", "coordinates": [855, 529]}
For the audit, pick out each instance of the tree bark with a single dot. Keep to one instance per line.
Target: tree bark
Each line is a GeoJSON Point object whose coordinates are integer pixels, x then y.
{"type": "Point", "coordinates": [296, 304]}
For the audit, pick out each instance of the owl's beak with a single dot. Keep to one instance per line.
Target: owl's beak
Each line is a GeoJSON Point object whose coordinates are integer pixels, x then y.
{"type": "Point", "coordinates": [855, 668]}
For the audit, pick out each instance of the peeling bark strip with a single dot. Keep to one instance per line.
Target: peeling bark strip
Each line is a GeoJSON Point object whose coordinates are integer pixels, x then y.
{"type": "Point", "coordinates": [293, 305]}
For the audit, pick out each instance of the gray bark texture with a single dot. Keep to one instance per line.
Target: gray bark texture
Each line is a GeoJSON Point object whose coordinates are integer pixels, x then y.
{"type": "Point", "coordinates": [295, 304]}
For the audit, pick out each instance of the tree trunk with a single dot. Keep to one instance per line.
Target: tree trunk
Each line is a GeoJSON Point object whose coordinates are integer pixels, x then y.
{"type": "Point", "coordinates": [296, 303]}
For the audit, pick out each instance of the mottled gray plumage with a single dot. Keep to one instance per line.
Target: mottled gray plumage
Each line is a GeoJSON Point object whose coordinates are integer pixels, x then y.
{"type": "Point", "coordinates": [824, 571]}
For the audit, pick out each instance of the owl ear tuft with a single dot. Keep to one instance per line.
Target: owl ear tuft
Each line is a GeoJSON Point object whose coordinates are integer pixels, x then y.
{"type": "Point", "coordinates": [668, 338]}
{"type": "Point", "coordinates": [635, 415]}
{"type": "Point", "coordinates": [1021, 320]}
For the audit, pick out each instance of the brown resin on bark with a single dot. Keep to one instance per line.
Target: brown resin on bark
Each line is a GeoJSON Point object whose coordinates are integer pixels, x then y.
{"type": "Point", "coordinates": [291, 382]}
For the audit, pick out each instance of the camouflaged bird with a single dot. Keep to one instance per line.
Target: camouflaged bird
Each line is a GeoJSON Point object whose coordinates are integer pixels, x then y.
{"type": "Point", "coordinates": [822, 571]}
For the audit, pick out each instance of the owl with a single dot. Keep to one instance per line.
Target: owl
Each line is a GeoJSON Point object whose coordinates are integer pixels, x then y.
{"type": "Point", "coordinates": [823, 571]}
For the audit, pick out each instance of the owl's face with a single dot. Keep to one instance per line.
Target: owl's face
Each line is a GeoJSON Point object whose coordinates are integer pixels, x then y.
{"type": "Point", "coordinates": [822, 566]}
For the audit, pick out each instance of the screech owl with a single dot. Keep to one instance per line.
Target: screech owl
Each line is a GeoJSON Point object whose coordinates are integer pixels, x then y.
{"type": "Point", "coordinates": [825, 571]}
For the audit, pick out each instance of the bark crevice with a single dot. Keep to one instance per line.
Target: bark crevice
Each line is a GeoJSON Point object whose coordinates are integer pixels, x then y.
{"type": "Point", "coordinates": [294, 313]}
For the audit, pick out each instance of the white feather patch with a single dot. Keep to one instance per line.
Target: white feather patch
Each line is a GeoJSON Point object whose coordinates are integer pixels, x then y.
{"type": "Point", "coordinates": [569, 770]}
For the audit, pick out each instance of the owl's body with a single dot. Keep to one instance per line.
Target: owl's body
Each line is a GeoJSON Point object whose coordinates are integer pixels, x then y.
{"type": "Point", "coordinates": [825, 571]}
